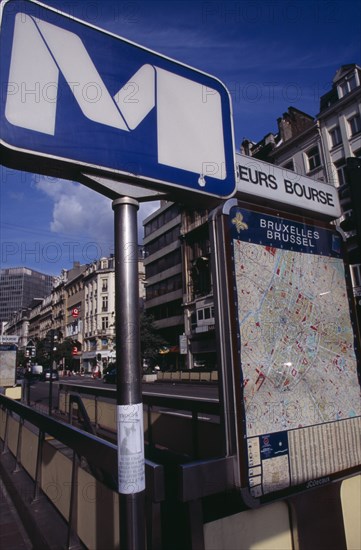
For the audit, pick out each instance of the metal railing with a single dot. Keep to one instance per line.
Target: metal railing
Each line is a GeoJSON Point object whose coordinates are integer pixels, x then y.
{"type": "Point", "coordinates": [100, 455]}
{"type": "Point", "coordinates": [188, 481]}
{"type": "Point", "coordinates": [194, 406]}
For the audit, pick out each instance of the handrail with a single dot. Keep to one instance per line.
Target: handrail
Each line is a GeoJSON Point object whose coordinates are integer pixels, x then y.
{"type": "Point", "coordinates": [189, 482]}
{"type": "Point", "coordinates": [98, 452]}
{"type": "Point", "coordinates": [82, 413]}
{"type": "Point", "coordinates": [192, 404]}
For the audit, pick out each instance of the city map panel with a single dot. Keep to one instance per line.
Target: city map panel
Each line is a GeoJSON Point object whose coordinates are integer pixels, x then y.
{"type": "Point", "coordinates": [301, 391]}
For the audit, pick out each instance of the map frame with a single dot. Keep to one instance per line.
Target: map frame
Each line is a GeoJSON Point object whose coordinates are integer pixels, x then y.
{"type": "Point", "coordinates": [232, 391]}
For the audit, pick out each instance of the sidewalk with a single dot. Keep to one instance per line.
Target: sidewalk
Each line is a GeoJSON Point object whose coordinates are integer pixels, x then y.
{"type": "Point", "coordinates": [12, 533]}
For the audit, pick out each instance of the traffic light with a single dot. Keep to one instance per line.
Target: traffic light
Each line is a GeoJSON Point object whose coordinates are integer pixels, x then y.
{"type": "Point", "coordinates": [52, 336]}
{"type": "Point", "coordinates": [47, 345]}
{"type": "Point", "coordinates": [30, 350]}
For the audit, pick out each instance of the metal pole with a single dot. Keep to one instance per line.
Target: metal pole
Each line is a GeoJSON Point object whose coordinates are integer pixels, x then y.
{"type": "Point", "coordinates": [28, 382]}
{"type": "Point", "coordinates": [51, 371]}
{"type": "Point", "coordinates": [131, 468]}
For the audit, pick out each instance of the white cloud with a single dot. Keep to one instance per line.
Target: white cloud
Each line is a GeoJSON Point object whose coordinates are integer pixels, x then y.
{"type": "Point", "coordinates": [83, 213]}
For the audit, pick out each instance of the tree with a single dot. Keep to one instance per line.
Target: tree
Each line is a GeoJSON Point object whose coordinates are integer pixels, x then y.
{"type": "Point", "coordinates": [42, 356]}
{"type": "Point", "coordinates": [64, 351]}
{"type": "Point", "coordinates": [150, 339]}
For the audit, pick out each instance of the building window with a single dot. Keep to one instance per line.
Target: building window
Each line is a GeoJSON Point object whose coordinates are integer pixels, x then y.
{"type": "Point", "coordinates": [164, 287]}
{"type": "Point", "coordinates": [105, 303]}
{"type": "Point", "coordinates": [162, 241]}
{"type": "Point", "coordinates": [313, 157]}
{"type": "Point", "coordinates": [165, 262]}
{"type": "Point", "coordinates": [163, 218]}
{"type": "Point", "coordinates": [104, 285]}
{"type": "Point", "coordinates": [355, 124]}
{"type": "Point", "coordinates": [105, 323]}
{"type": "Point", "coordinates": [348, 85]}
{"type": "Point", "coordinates": [289, 165]}
{"type": "Point", "coordinates": [335, 135]}
{"type": "Point", "coordinates": [341, 171]}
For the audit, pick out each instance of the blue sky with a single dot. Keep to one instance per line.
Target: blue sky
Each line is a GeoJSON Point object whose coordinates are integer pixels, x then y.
{"type": "Point", "coordinates": [269, 54]}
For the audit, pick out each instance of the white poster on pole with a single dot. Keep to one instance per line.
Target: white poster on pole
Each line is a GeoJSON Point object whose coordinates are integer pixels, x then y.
{"type": "Point", "coordinates": [131, 468]}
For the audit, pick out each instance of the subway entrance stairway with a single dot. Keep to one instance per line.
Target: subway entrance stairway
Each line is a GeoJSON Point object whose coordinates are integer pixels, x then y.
{"type": "Point", "coordinates": [61, 482]}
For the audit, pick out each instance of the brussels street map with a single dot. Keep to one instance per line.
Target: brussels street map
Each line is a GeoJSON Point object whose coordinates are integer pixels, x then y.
{"type": "Point", "coordinates": [301, 393]}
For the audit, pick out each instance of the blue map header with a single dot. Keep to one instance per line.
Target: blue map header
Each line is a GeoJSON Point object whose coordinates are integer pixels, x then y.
{"type": "Point", "coordinates": [280, 232]}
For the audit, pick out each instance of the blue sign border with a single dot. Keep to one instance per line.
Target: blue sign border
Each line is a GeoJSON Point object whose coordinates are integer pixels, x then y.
{"type": "Point", "coordinates": [103, 149]}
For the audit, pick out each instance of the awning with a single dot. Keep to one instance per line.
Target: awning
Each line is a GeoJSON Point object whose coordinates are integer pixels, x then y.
{"type": "Point", "coordinates": [171, 349]}
{"type": "Point", "coordinates": [89, 354]}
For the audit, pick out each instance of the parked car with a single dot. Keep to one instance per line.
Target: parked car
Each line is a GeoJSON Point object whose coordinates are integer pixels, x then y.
{"type": "Point", "coordinates": [110, 377]}
{"type": "Point", "coordinates": [46, 375]}
{"type": "Point", "coordinates": [36, 371]}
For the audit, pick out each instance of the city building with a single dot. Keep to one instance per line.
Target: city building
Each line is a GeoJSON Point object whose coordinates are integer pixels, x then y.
{"type": "Point", "coordinates": [39, 318]}
{"type": "Point", "coordinates": [297, 145]}
{"type": "Point", "coordinates": [80, 309]}
{"type": "Point", "coordinates": [99, 310]}
{"type": "Point", "coordinates": [320, 147]}
{"type": "Point", "coordinates": [18, 287]}
{"type": "Point", "coordinates": [164, 278]}
{"type": "Point", "coordinates": [99, 313]}
{"type": "Point", "coordinates": [340, 126]}
{"type": "Point", "coordinates": [58, 304]}
{"type": "Point", "coordinates": [340, 122]}
{"type": "Point", "coordinates": [199, 321]}
{"type": "Point", "coordinates": [179, 291]}
{"type": "Point", "coordinates": [18, 325]}
{"type": "Point", "coordinates": [74, 310]}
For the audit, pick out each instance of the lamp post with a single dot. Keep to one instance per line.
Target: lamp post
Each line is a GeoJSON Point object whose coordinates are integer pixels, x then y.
{"type": "Point", "coordinates": [53, 338]}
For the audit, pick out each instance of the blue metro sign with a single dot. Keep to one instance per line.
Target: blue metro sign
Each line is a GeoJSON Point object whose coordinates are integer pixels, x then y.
{"type": "Point", "coordinates": [80, 99]}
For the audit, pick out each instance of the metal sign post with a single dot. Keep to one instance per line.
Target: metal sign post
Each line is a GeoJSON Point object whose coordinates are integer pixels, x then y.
{"type": "Point", "coordinates": [131, 468]}
{"type": "Point", "coordinates": [51, 371]}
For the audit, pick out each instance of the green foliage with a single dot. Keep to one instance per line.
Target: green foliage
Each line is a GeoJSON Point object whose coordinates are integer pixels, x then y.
{"type": "Point", "coordinates": [64, 350]}
{"type": "Point", "coordinates": [42, 356]}
{"type": "Point", "coordinates": [21, 359]}
{"type": "Point", "coordinates": [150, 338]}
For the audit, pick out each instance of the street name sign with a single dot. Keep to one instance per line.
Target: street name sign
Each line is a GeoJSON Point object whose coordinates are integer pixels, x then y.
{"type": "Point", "coordinates": [9, 339]}
{"type": "Point", "coordinates": [264, 183]}
{"type": "Point", "coordinates": [76, 99]}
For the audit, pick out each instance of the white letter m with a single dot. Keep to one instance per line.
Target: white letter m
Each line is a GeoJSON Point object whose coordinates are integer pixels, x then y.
{"type": "Point", "coordinates": [189, 129]}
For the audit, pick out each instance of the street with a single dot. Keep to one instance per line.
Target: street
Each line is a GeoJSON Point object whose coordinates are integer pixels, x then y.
{"type": "Point", "coordinates": [39, 390]}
